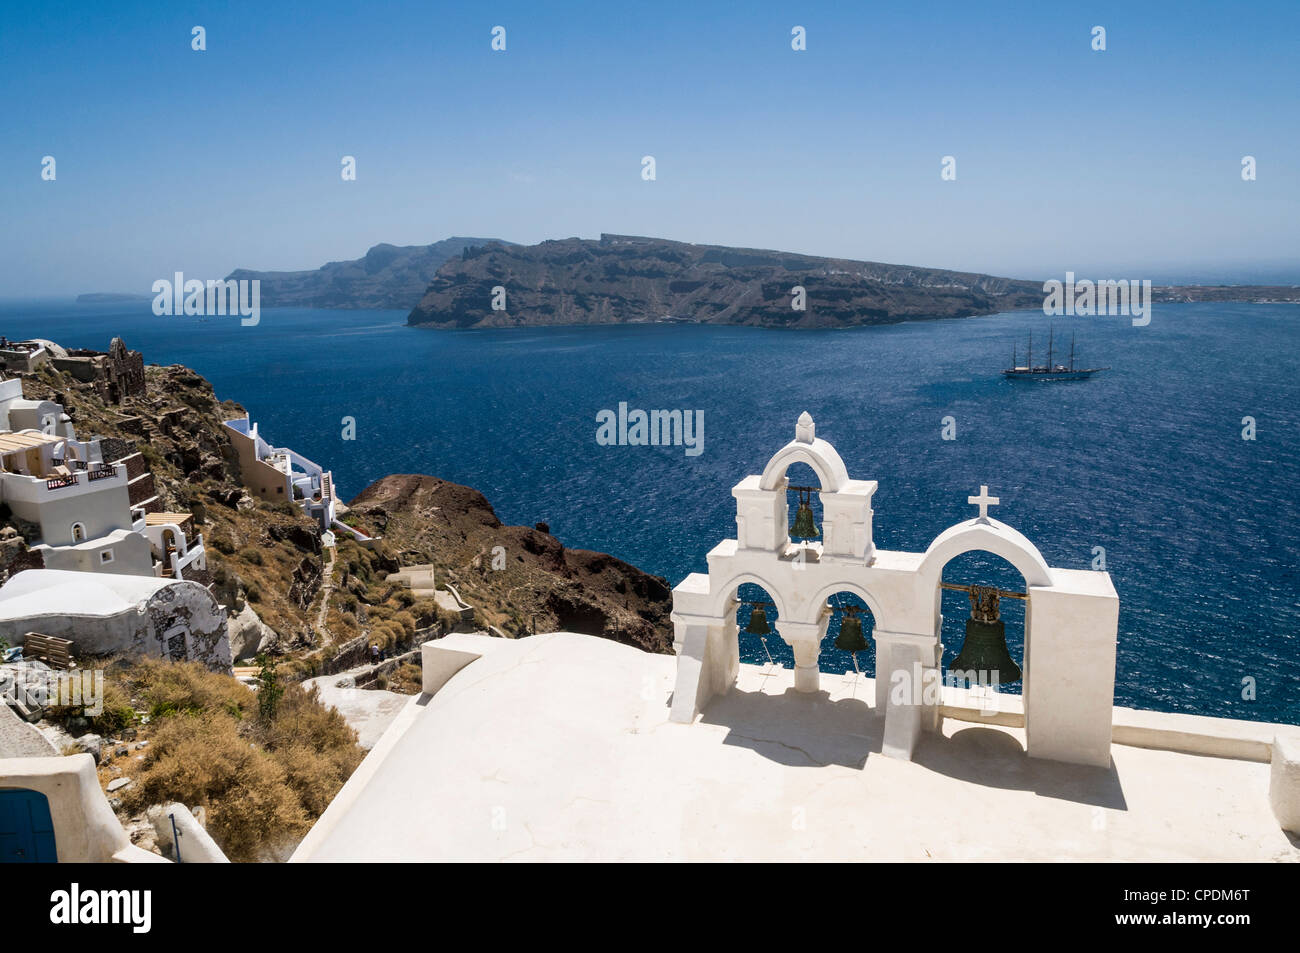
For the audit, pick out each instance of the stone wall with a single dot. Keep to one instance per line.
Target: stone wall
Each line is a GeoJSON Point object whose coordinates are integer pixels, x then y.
{"type": "Point", "coordinates": [181, 621]}
{"type": "Point", "coordinates": [125, 372]}
{"type": "Point", "coordinates": [117, 450]}
{"type": "Point", "coordinates": [116, 374]}
{"type": "Point", "coordinates": [15, 556]}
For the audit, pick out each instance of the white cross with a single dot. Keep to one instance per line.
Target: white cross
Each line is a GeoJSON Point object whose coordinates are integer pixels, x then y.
{"type": "Point", "coordinates": [983, 501]}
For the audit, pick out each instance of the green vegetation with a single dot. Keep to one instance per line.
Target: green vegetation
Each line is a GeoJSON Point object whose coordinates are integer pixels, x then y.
{"type": "Point", "coordinates": [269, 689]}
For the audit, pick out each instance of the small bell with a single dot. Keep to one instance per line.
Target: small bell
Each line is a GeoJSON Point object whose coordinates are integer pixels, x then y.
{"type": "Point", "coordinates": [984, 656]}
{"type": "Point", "coordinates": [804, 527]}
{"type": "Point", "coordinates": [758, 622]}
{"type": "Point", "coordinates": [850, 638]}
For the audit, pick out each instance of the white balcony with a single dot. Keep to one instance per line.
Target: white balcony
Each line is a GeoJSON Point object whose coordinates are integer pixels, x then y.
{"type": "Point", "coordinates": [21, 488]}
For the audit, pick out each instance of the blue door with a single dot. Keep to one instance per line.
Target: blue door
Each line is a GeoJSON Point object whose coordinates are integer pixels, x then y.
{"type": "Point", "coordinates": [26, 831]}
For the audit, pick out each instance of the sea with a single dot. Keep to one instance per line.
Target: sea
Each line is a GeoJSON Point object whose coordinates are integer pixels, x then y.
{"type": "Point", "coordinates": [1177, 469]}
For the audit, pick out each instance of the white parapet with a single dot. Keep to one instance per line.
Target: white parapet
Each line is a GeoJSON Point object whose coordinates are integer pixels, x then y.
{"type": "Point", "coordinates": [1284, 784]}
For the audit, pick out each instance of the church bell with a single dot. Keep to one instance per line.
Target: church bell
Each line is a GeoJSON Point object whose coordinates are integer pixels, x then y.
{"type": "Point", "coordinates": [984, 655]}
{"type": "Point", "coordinates": [804, 527]}
{"type": "Point", "coordinates": [758, 622]}
{"type": "Point", "coordinates": [850, 638]}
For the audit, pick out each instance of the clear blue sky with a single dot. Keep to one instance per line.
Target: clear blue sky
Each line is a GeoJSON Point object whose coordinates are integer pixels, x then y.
{"type": "Point", "coordinates": [1121, 164]}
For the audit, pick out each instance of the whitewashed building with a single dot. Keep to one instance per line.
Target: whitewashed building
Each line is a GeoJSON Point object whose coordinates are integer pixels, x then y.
{"type": "Point", "coordinates": [106, 614]}
{"type": "Point", "coordinates": [279, 474]}
{"type": "Point", "coordinates": [61, 484]}
{"type": "Point", "coordinates": [81, 502]}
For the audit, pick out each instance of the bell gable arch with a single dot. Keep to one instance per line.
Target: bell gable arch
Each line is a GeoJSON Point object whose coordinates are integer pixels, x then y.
{"type": "Point", "coordinates": [727, 593]}
{"type": "Point", "coordinates": [820, 455]}
{"type": "Point", "coordinates": [988, 535]}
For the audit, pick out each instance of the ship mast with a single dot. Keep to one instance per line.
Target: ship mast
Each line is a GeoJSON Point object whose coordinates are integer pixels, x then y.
{"type": "Point", "coordinates": [1029, 361]}
{"type": "Point", "coordinates": [1071, 350]}
{"type": "Point", "coordinates": [1050, 334]}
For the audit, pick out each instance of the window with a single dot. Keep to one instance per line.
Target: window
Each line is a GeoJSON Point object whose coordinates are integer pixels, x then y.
{"type": "Point", "coordinates": [78, 532]}
{"type": "Point", "coordinates": [106, 556]}
{"type": "Point", "coordinates": [279, 489]}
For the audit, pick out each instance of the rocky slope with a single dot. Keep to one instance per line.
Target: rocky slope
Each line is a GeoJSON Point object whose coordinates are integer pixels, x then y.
{"type": "Point", "coordinates": [623, 279]}
{"type": "Point", "coordinates": [388, 276]}
{"type": "Point", "coordinates": [541, 585]}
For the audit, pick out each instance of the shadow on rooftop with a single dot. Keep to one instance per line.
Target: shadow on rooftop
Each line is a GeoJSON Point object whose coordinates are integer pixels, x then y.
{"type": "Point", "coordinates": [808, 730]}
{"type": "Point", "coordinates": [797, 729]}
{"type": "Point", "coordinates": [995, 759]}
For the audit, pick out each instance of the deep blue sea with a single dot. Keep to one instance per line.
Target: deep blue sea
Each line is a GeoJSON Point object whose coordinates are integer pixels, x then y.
{"type": "Point", "coordinates": [1201, 529]}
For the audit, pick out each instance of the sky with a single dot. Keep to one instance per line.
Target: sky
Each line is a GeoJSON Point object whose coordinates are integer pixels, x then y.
{"type": "Point", "coordinates": [1122, 163]}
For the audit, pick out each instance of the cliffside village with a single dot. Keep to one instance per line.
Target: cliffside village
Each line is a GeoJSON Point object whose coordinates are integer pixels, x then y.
{"type": "Point", "coordinates": [105, 566]}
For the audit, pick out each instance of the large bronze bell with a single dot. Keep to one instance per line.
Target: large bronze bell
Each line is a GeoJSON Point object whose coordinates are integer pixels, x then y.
{"type": "Point", "coordinates": [758, 622]}
{"type": "Point", "coordinates": [804, 527]}
{"type": "Point", "coordinates": [850, 638]}
{"type": "Point", "coordinates": [984, 656]}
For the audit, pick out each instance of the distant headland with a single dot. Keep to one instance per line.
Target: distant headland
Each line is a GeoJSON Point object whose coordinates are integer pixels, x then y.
{"type": "Point", "coordinates": [387, 276]}
{"type": "Point", "coordinates": [624, 279]}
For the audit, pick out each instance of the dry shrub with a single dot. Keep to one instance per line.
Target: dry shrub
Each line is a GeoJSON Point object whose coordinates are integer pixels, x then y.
{"type": "Point", "coordinates": [301, 719]}
{"type": "Point", "coordinates": [118, 713]}
{"type": "Point", "coordinates": [406, 679]}
{"type": "Point", "coordinates": [316, 776]}
{"type": "Point", "coordinates": [263, 783]}
{"type": "Point", "coordinates": [165, 688]}
{"type": "Point", "coordinates": [203, 760]}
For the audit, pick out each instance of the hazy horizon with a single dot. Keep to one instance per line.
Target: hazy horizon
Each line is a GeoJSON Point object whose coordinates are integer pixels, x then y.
{"type": "Point", "coordinates": [1122, 163]}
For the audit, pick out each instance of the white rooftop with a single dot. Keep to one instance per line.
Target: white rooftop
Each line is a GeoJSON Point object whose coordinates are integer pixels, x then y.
{"type": "Point", "coordinates": [41, 591]}
{"type": "Point", "coordinates": [558, 747]}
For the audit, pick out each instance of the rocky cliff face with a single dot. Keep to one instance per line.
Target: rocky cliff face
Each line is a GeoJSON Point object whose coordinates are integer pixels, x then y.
{"type": "Point", "coordinates": [521, 579]}
{"type": "Point", "coordinates": [388, 276]}
{"type": "Point", "coordinates": [623, 279]}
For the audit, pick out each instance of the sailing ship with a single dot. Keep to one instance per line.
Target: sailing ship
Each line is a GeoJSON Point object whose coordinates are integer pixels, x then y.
{"type": "Point", "coordinates": [1049, 371]}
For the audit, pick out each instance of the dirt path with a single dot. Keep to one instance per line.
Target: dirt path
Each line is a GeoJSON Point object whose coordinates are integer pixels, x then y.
{"type": "Point", "coordinates": [326, 589]}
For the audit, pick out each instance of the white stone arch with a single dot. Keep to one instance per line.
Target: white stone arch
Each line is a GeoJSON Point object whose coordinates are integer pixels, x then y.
{"type": "Point", "coordinates": [878, 615]}
{"type": "Point", "coordinates": [982, 534]}
{"type": "Point", "coordinates": [990, 536]}
{"type": "Point", "coordinates": [820, 455]}
{"type": "Point", "coordinates": [727, 594]}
